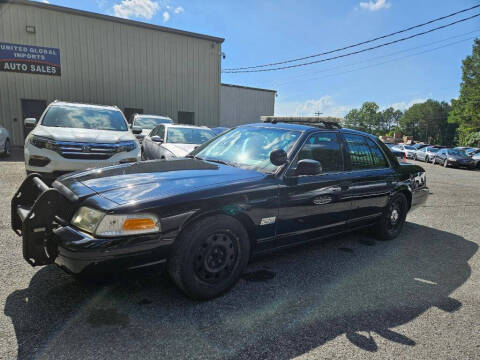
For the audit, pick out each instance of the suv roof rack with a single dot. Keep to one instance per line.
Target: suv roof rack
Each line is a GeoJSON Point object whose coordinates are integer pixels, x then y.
{"type": "Point", "coordinates": [325, 122]}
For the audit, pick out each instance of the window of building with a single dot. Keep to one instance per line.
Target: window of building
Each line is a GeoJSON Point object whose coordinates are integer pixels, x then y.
{"type": "Point", "coordinates": [186, 117]}
{"type": "Point", "coordinates": [364, 153]}
{"type": "Point", "coordinates": [325, 148]}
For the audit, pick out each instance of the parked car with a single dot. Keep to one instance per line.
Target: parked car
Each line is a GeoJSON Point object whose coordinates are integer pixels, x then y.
{"type": "Point", "coordinates": [247, 191]}
{"type": "Point", "coordinates": [472, 151]}
{"type": "Point", "coordinates": [407, 149]}
{"type": "Point", "coordinates": [5, 144]}
{"type": "Point", "coordinates": [71, 136]}
{"type": "Point", "coordinates": [475, 156]}
{"type": "Point", "coordinates": [219, 130]}
{"type": "Point", "coordinates": [453, 158]}
{"type": "Point", "coordinates": [168, 141]}
{"type": "Point", "coordinates": [147, 123]}
{"type": "Point", "coordinates": [426, 154]}
{"type": "Point", "coordinates": [463, 148]}
{"type": "Point", "coordinates": [399, 154]}
{"type": "Point", "coordinates": [418, 146]}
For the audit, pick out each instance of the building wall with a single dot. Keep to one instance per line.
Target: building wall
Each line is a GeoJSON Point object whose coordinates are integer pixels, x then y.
{"type": "Point", "coordinates": [241, 105]}
{"type": "Point", "coordinates": [107, 62]}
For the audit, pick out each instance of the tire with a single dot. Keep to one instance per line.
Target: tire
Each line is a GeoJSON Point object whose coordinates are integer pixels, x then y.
{"type": "Point", "coordinates": [209, 256]}
{"type": "Point", "coordinates": [7, 149]}
{"type": "Point", "coordinates": [415, 157]}
{"type": "Point", "coordinates": [433, 160]}
{"type": "Point", "coordinates": [391, 223]}
{"type": "Point", "coordinates": [445, 163]}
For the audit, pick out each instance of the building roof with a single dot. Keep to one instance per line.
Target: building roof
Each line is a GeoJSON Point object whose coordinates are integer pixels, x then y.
{"type": "Point", "coordinates": [112, 19]}
{"type": "Point", "coordinates": [248, 87]}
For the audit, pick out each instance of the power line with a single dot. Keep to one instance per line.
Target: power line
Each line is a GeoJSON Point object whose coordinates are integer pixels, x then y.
{"type": "Point", "coordinates": [355, 52]}
{"type": "Point", "coordinates": [309, 74]}
{"type": "Point", "coordinates": [354, 45]}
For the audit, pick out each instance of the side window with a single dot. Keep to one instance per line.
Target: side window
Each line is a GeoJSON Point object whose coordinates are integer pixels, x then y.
{"type": "Point", "coordinates": [379, 160]}
{"type": "Point", "coordinates": [153, 132]}
{"type": "Point", "coordinates": [364, 153]}
{"type": "Point", "coordinates": [161, 131]}
{"type": "Point", "coordinates": [325, 148]}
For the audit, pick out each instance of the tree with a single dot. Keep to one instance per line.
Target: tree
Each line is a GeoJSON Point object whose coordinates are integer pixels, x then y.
{"type": "Point", "coordinates": [364, 119]}
{"type": "Point", "coordinates": [466, 109]}
{"type": "Point", "coordinates": [388, 119]}
{"type": "Point", "coordinates": [428, 122]}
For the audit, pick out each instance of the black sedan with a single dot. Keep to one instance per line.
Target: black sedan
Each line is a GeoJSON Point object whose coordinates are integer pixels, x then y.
{"type": "Point", "coordinates": [247, 191]}
{"type": "Point", "coordinates": [454, 158]}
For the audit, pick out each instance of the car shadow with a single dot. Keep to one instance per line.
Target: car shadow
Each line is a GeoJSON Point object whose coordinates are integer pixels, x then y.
{"type": "Point", "coordinates": [285, 305]}
{"type": "Point", "coordinates": [15, 156]}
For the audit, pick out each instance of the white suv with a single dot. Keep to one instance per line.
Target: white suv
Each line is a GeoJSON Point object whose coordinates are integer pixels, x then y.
{"type": "Point", "coordinates": [71, 136]}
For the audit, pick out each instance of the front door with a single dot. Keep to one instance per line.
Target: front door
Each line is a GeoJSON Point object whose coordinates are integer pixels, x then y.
{"type": "Point", "coordinates": [31, 109]}
{"type": "Point", "coordinates": [371, 179]}
{"type": "Point", "coordinates": [314, 205]}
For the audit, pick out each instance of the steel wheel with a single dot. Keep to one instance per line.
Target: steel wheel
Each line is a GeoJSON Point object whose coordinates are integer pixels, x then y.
{"type": "Point", "coordinates": [215, 259]}
{"type": "Point", "coordinates": [394, 215]}
{"type": "Point", "coordinates": [391, 223]}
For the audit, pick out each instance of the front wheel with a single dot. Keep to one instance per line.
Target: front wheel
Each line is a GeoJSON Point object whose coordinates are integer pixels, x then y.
{"type": "Point", "coordinates": [391, 223]}
{"type": "Point", "coordinates": [209, 256]}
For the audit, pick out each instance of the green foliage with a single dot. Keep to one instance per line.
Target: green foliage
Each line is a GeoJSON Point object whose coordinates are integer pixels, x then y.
{"type": "Point", "coordinates": [370, 120]}
{"type": "Point", "coordinates": [466, 109]}
{"type": "Point", "coordinates": [428, 122]}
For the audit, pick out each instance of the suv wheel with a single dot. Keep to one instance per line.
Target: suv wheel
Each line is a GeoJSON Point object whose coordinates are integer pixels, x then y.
{"type": "Point", "coordinates": [391, 223]}
{"type": "Point", "coordinates": [209, 256]}
{"type": "Point", "coordinates": [7, 149]}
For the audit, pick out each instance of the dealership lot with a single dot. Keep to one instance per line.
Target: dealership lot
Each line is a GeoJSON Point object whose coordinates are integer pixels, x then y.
{"type": "Point", "coordinates": [350, 297]}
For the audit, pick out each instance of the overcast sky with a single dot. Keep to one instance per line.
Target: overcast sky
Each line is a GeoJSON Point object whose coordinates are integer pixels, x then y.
{"type": "Point", "coordinates": [258, 32]}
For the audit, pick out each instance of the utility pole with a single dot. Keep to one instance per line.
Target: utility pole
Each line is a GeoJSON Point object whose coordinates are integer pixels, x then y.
{"type": "Point", "coordinates": [318, 113]}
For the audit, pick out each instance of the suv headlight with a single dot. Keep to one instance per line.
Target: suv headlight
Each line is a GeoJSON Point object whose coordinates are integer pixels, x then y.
{"type": "Point", "coordinates": [127, 146]}
{"type": "Point", "coordinates": [108, 225]}
{"type": "Point", "coordinates": [43, 142]}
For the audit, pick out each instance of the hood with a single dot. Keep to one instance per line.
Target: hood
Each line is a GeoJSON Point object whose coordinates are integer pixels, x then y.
{"type": "Point", "coordinates": [179, 150]}
{"type": "Point", "coordinates": [83, 135]}
{"type": "Point", "coordinates": [153, 180]}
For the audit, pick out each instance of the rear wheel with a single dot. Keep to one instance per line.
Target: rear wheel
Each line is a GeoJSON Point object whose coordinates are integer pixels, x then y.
{"type": "Point", "coordinates": [209, 256]}
{"type": "Point", "coordinates": [7, 149]}
{"type": "Point", "coordinates": [391, 223]}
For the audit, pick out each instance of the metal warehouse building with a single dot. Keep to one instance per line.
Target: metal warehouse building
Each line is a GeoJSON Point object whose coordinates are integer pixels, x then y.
{"type": "Point", "coordinates": [49, 52]}
{"type": "Point", "coordinates": [242, 105]}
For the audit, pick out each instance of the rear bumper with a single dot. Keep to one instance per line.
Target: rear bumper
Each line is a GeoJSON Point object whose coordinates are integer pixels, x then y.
{"type": "Point", "coordinates": [41, 214]}
{"type": "Point", "coordinates": [419, 197]}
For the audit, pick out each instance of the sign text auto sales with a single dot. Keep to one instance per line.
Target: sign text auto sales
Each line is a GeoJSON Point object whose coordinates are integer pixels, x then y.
{"type": "Point", "coordinates": [29, 59]}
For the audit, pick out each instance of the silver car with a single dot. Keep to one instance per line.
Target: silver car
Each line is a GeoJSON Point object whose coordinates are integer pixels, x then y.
{"type": "Point", "coordinates": [407, 149]}
{"type": "Point", "coordinates": [167, 141]}
{"type": "Point", "coordinates": [426, 154]}
{"type": "Point", "coordinates": [5, 145]}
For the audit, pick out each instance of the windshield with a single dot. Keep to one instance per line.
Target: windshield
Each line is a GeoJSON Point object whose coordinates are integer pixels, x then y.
{"type": "Point", "coordinates": [433, 150]}
{"type": "Point", "coordinates": [248, 147]}
{"type": "Point", "coordinates": [456, 152]}
{"type": "Point", "coordinates": [149, 122]}
{"type": "Point", "coordinates": [84, 118]}
{"type": "Point", "coordinates": [179, 135]}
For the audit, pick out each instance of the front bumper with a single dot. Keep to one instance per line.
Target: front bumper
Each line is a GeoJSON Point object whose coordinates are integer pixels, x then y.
{"type": "Point", "coordinates": [41, 214]}
{"type": "Point", "coordinates": [59, 164]}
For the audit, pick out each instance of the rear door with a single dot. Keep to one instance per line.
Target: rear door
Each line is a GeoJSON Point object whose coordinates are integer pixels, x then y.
{"type": "Point", "coordinates": [314, 205]}
{"type": "Point", "coordinates": [371, 177]}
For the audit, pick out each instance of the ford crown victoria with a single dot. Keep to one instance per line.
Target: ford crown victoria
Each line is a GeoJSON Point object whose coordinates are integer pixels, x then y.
{"type": "Point", "coordinates": [252, 189]}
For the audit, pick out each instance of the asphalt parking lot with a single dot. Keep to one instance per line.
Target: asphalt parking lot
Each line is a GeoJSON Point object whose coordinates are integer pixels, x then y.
{"type": "Point", "coordinates": [350, 297]}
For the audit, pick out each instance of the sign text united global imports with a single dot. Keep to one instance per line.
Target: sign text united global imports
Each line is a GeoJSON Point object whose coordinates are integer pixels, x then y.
{"type": "Point", "coordinates": [29, 59]}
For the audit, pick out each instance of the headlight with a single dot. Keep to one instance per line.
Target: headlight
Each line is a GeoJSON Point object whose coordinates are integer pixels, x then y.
{"type": "Point", "coordinates": [43, 142]}
{"type": "Point", "coordinates": [107, 225]}
{"type": "Point", "coordinates": [452, 159]}
{"type": "Point", "coordinates": [127, 146]}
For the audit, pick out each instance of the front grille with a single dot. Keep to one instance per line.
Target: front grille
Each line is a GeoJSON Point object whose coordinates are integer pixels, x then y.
{"type": "Point", "coordinates": [86, 151]}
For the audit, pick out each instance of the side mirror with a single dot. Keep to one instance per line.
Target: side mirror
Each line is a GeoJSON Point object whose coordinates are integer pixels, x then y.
{"type": "Point", "coordinates": [157, 139]}
{"type": "Point", "coordinates": [30, 122]}
{"type": "Point", "coordinates": [278, 157]}
{"type": "Point", "coordinates": [308, 167]}
{"type": "Point", "coordinates": [136, 129]}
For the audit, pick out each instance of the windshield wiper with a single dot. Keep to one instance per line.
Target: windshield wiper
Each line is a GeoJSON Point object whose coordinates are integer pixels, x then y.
{"type": "Point", "coordinates": [194, 157]}
{"type": "Point", "coordinates": [223, 162]}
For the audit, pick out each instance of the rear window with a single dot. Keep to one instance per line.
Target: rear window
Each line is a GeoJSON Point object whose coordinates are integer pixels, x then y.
{"type": "Point", "coordinates": [79, 117]}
